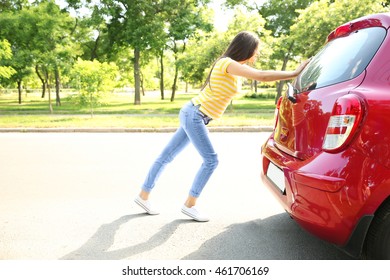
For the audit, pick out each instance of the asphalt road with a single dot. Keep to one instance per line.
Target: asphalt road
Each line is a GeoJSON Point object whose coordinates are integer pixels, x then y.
{"type": "Point", "coordinates": [70, 196]}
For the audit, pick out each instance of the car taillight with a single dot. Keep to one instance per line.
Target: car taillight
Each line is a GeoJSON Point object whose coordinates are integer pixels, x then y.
{"type": "Point", "coordinates": [345, 119]}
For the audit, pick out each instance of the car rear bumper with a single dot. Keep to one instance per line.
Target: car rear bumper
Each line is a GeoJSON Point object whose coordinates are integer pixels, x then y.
{"type": "Point", "coordinates": [315, 192]}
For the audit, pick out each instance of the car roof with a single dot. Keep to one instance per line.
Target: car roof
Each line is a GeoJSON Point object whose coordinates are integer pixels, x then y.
{"type": "Point", "coordinates": [375, 20]}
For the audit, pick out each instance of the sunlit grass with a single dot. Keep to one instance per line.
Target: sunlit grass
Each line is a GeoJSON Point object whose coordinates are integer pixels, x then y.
{"type": "Point", "coordinates": [118, 110]}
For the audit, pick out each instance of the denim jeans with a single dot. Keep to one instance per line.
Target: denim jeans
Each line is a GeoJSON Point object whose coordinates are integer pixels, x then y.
{"type": "Point", "coordinates": [192, 129]}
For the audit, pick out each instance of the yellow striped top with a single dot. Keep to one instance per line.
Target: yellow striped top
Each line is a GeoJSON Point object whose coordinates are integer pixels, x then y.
{"type": "Point", "coordinates": [217, 95]}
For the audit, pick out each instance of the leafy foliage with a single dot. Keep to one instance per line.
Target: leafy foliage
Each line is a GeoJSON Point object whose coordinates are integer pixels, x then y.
{"type": "Point", "coordinates": [5, 54]}
{"type": "Point", "coordinates": [316, 22]}
{"type": "Point", "coordinates": [156, 43]}
{"type": "Point", "coordinates": [93, 79]}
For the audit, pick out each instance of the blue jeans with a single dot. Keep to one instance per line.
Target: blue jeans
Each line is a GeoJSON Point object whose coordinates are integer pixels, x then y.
{"type": "Point", "coordinates": [192, 129]}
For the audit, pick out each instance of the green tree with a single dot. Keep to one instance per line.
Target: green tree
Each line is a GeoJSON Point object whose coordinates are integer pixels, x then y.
{"type": "Point", "coordinates": [138, 24]}
{"type": "Point", "coordinates": [52, 44]}
{"type": "Point", "coordinates": [93, 79]}
{"type": "Point", "coordinates": [12, 5]}
{"type": "Point", "coordinates": [254, 22]}
{"type": "Point", "coordinates": [323, 16]}
{"type": "Point", "coordinates": [185, 19]}
{"type": "Point", "coordinates": [40, 38]}
{"type": "Point", "coordinates": [198, 59]}
{"type": "Point", "coordinates": [280, 15]}
{"type": "Point", "coordinates": [145, 26]}
{"type": "Point", "coordinates": [5, 54]}
{"type": "Point", "coordinates": [200, 55]}
{"type": "Point", "coordinates": [17, 29]}
{"type": "Point", "coordinates": [93, 37]}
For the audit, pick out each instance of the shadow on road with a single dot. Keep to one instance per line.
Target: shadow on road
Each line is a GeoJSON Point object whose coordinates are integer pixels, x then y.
{"type": "Point", "coordinates": [275, 238]}
{"type": "Point", "coordinates": [96, 248]}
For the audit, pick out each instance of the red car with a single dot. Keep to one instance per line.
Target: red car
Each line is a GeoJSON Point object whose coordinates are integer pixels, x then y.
{"type": "Point", "coordinates": [328, 159]}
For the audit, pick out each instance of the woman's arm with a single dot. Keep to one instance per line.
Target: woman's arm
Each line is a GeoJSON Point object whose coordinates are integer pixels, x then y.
{"type": "Point", "coordinates": [243, 70]}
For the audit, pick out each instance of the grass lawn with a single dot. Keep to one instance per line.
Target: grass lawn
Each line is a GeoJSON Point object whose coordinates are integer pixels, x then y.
{"type": "Point", "coordinates": [118, 110]}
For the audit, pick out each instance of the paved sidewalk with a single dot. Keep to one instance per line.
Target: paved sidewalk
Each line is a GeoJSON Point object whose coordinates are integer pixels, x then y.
{"type": "Point", "coordinates": [134, 130]}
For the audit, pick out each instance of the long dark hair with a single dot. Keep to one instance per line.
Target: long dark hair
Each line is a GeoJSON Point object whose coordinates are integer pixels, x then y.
{"type": "Point", "coordinates": [241, 48]}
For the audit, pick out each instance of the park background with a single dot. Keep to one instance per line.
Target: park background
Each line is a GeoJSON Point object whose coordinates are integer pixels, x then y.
{"type": "Point", "coordinates": [134, 63]}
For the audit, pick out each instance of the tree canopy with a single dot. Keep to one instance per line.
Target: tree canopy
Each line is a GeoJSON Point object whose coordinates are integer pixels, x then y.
{"type": "Point", "coordinates": [156, 43]}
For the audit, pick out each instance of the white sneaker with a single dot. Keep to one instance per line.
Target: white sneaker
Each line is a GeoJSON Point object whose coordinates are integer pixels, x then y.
{"type": "Point", "coordinates": [194, 214]}
{"type": "Point", "coordinates": [145, 204]}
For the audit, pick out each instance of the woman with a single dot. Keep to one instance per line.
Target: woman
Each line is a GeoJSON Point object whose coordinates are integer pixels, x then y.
{"type": "Point", "coordinates": [217, 92]}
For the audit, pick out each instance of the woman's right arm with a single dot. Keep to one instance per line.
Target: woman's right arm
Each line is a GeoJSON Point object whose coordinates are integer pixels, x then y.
{"type": "Point", "coordinates": [243, 70]}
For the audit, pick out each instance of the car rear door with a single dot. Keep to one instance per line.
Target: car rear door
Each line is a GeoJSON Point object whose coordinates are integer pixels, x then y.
{"type": "Point", "coordinates": [306, 107]}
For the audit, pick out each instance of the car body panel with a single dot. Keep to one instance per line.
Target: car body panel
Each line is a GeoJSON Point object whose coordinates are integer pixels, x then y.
{"type": "Point", "coordinates": [308, 115]}
{"type": "Point", "coordinates": [333, 193]}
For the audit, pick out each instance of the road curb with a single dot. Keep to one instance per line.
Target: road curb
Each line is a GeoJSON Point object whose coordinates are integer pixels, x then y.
{"type": "Point", "coordinates": [130, 130]}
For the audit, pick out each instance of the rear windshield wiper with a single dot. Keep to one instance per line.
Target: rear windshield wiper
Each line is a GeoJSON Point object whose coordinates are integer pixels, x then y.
{"type": "Point", "coordinates": [291, 93]}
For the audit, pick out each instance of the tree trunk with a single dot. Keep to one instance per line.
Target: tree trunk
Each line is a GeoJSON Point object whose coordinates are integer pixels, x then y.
{"type": "Point", "coordinates": [58, 85]}
{"type": "Point", "coordinates": [95, 48]}
{"type": "Point", "coordinates": [42, 81]}
{"type": "Point", "coordinates": [174, 86]}
{"type": "Point", "coordinates": [174, 82]}
{"type": "Point", "coordinates": [91, 104]}
{"type": "Point", "coordinates": [47, 83]}
{"type": "Point", "coordinates": [20, 92]}
{"type": "Point", "coordinates": [162, 74]}
{"type": "Point", "coordinates": [49, 94]}
{"type": "Point", "coordinates": [279, 89]}
{"type": "Point", "coordinates": [280, 84]}
{"type": "Point", "coordinates": [142, 83]}
{"type": "Point", "coordinates": [137, 96]}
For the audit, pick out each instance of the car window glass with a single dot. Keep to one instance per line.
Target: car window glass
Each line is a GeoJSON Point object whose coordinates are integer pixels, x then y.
{"type": "Point", "coordinates": [342, 59]}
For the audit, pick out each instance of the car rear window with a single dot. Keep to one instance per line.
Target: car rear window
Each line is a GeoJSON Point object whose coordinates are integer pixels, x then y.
{"type": "Point", "coordinates": [342, 59]}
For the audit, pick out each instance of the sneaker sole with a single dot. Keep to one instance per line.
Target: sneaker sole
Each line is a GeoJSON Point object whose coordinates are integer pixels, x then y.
{"type": "Point", "coordinates": [145, 208]}
{"type": "Point", "coordinates": [193, 217]}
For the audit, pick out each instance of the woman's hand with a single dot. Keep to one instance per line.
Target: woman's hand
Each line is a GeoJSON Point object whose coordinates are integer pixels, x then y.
{"type": "Point", "coordinates": [301, 67]}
